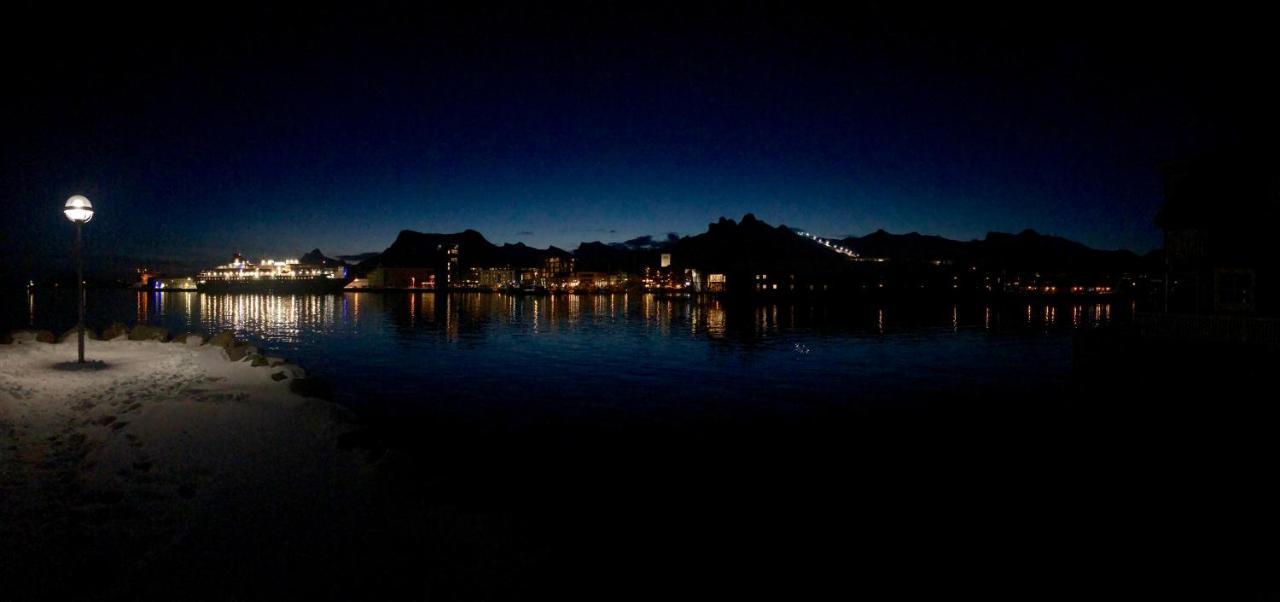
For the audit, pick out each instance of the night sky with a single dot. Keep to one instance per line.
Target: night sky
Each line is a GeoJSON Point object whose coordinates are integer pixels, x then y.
{"type": "Point", "coordinates": [273, 131]}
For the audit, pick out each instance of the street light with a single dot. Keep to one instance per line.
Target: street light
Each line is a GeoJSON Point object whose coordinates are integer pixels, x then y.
{"type": "Point", "coordinates": [79, 210]}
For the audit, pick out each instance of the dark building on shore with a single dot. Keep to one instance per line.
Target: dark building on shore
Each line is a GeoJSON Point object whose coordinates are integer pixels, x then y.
{"type": "Point", "coordinates": [1219, 235]}
{"type": "Point", "coordinates": [406, 278]}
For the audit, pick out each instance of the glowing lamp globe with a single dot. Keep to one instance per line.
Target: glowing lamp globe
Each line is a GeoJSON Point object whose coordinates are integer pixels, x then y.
{"type": "Point", "coordinates": [78, 209]}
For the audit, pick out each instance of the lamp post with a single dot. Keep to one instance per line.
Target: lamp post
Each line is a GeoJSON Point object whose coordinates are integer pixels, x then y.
{"type": "Point", "coordinates": [79, 210]}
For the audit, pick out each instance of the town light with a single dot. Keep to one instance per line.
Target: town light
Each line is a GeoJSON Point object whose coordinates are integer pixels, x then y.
{"type": "Point", "coordinates": [79, 210]}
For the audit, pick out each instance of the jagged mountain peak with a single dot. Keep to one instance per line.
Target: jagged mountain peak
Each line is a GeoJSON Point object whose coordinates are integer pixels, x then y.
{"type": "Point", "coordinates": [314, 256]}
{"type": "Point", "coordinates": [751, 243]}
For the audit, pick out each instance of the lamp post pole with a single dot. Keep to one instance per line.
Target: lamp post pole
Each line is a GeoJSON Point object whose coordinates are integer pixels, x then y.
{"type": "Point", "coordinates": [79, 210]}
{"type": "Point", "coordinates": [80, 284]}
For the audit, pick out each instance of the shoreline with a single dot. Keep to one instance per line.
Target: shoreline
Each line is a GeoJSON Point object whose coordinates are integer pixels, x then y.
{"type": "Point", "coordinates": [865, 294]}
{"type": "Point", "coordinates": [157, 456]}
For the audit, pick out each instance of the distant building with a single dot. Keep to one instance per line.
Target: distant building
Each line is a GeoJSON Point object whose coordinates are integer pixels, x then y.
{"type": "Point", "coordinates": [447, 270]}
{"type": "Point", "coordinates": [585, 280]}
{"type": "Point", "coordinates": [402, 278]}
{"type": "Point", "coordinates": [716, 283]}
{"type": "Point", "coordinates": [558, 272]}
{"type": "Point", "coordinates": [159, 282]}
{"type": "Point", "coordinates": [617, 280]}
{"type": "Point", "coordinates": [663, 279]}
{"type": "Point", "coordinates": [665, 260]}
{"type": "Point", "coordinates": [558, 266]}
{"type": "Point", "coordinates": [704, 282]}
{"type": "Point", "coordinates": [598, 281]}
{"type": "Point", "coordinates": [532, 277]}
{"type": "Point", "coordinates": [184, 283]}
{"type": "Point", "coordinates": [494, 278]}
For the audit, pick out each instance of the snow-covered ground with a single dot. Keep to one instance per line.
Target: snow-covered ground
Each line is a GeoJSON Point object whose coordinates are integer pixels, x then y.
{"type": "Point", "coordinates": [166, 458]}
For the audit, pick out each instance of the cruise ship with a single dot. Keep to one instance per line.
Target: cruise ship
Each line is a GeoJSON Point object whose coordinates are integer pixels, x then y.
{"type": "Point", "coordinates": [270, 276]}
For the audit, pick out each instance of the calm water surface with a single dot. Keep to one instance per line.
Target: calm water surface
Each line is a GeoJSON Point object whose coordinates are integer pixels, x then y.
{"type": "Point", "coordinates": [721, 439]}
{"type": "Point", "coordinates": [635, 356]}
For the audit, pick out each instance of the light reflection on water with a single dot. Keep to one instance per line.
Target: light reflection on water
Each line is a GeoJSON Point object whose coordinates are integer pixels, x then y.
{"type": "Point", "coordinates": [286, 318]}
{"type": "Point", "coordinates": [397, 353]}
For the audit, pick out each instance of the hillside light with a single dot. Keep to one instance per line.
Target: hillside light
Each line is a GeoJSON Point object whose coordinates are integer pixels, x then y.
{"type": "Point", "coordinates": [79, 210]}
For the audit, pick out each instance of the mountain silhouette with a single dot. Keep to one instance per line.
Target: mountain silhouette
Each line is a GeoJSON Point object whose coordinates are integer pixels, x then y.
{"type": "Point", "coordinates": [751, 246]}
{"type": "Point", "coordinates": [1026, 251]}
{"type": "Point", "coordinates": [316, 257]}
{"type": "Point", "coordinates": [418, 249]}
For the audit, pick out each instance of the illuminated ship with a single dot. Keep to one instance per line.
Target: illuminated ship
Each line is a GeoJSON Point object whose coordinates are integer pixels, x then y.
{"type": "Point", "coordinates": [269, 276]}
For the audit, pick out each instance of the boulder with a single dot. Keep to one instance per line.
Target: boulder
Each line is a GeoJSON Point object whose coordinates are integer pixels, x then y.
{"type": "Point", "coordinates": [22, 336]}
{"type": "Point", "coordinates": [144, 332]}
{"type": "Point", "coordinates": [237, 351]}
{"type": "Point", "coordinates": [32, 336]}
{"type": "Point", "coordinates": [224, 339]}
{"type": "Point", "coordinates": [114, 331]}
{"type": "Point", "coordinates": [70, 335]}
{"type": "Point", "coordinates": [278, 376]}
{"type": "Point", "coordinates": [258, 361]}
{"type": "Point", "coordinates": [234, 350]}
{"type": "Point", "coordinates": [191, 339]}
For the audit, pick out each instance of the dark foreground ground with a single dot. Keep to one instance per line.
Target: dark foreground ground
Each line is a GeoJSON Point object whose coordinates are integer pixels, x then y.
{"type": "Point", "coordinates": [1150, 476]}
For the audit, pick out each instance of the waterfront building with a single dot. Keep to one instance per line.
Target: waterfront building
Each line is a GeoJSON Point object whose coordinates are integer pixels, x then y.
{"type": "Point", "coordinates": [598, 281]}
{"type": "Point", "coordinates": [700, 281]}
{"type": "Point", "coordinates": [1219, 252]}
{"type": "Point", "coordinates": [495, 278]}
{"type": "Point", "coordinates": [1222, 277]}
{"type": "Point", "coordinates": [180, 283]}
{"type": "Point", "coordinates": [532, 277]}
{"type": "Point", "coordinates": [151, 280]}
{"type": "Point", "coordinates": [466, 279]}
{"type": "Point", "coordinates": [558, 272]}
{"type": "Point", "coordinates": [410, 278]}
{"type": "Point", "coordinates": [617, 280]}
{"type": "Point", "coordinates": [559, 266]}
{"type": "Point", "coordinates": [663, 279]}
{"type": "Point", "coordinates": [447, 272]}
{"type": "Point", "coordinates": [716, 283]}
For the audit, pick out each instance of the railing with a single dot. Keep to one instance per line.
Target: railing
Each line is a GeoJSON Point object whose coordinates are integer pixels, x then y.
{"type": "Point", "coordinates": [1216, 329]}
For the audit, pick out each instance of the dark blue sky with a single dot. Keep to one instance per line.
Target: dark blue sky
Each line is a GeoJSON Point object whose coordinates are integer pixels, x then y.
{"type": "Point", "coordinates": [272, 131]}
